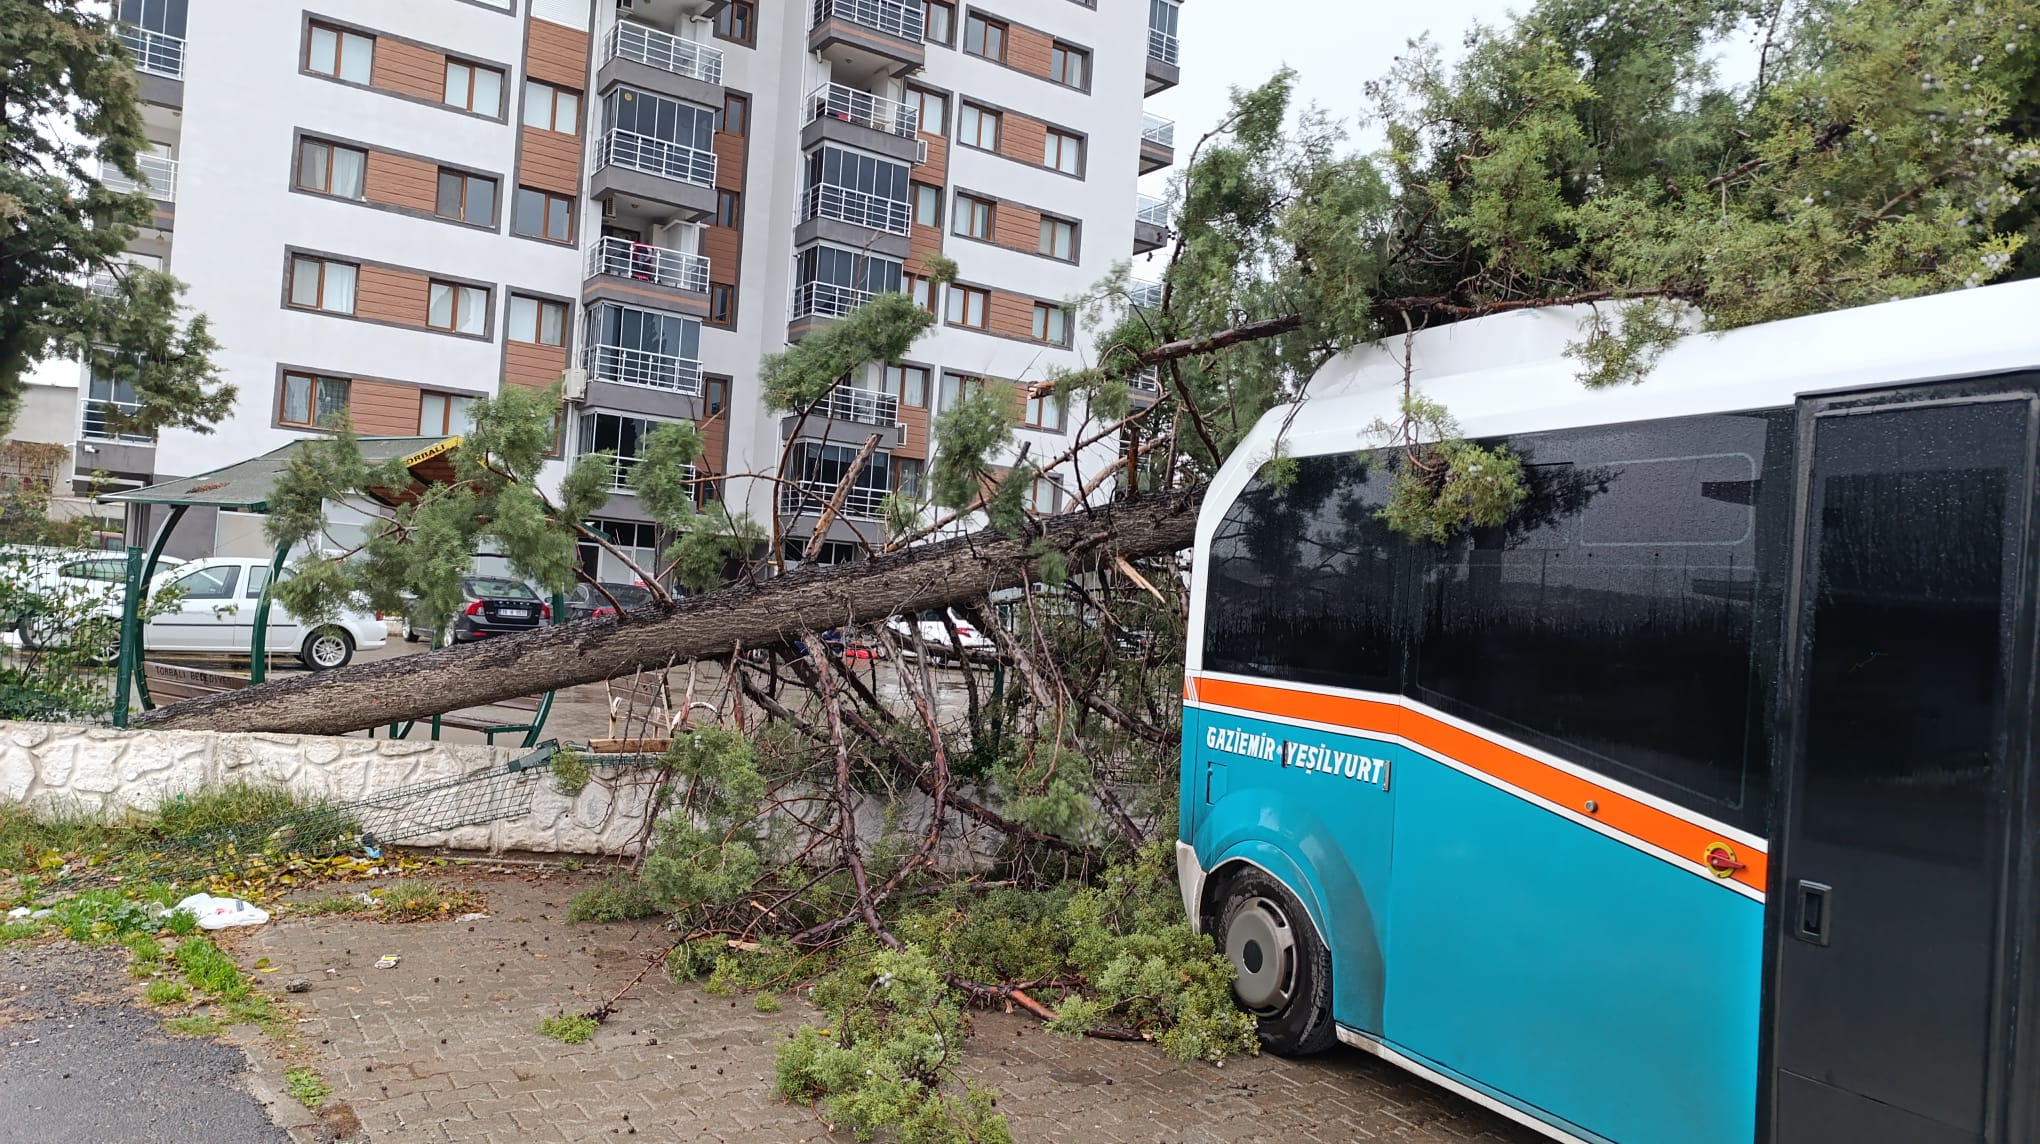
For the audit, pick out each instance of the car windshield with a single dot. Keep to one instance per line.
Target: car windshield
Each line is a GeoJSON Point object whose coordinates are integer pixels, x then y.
{"type": "Point", "coordinates": [491, 588]}
{"type": "Point", "coordinates": [629, 595]}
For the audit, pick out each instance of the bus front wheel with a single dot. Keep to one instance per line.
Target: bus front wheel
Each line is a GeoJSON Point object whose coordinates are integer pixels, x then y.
{"type": "Point", "coordinates": [1282, 972]}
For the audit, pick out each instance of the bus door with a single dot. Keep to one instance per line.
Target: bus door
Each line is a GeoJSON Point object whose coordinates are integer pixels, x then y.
{"type": "Point", "coordinates": [1908, 731]}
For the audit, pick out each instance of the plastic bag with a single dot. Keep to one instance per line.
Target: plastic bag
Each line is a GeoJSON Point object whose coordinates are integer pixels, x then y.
{"type": "Point", "coordinates": [220, 913]}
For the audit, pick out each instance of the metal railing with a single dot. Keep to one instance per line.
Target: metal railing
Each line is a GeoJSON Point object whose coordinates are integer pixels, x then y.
{"type": "Point", "coordinates": [155, 52]}
{"type": "Point", "coordinates": [825, 200]}
{"type": "Point", "coordinates": [159, 177]}
{"type": "Point", "coordinates": [1161, 46]}
{"type": "Point", "coordinates": [1148, 380]}
{"type": "Point", "coordinates": [808, 498]}
{"type": "Point", "coordinates": [1158, 131]}
{"type": "Point", "coordinates": [826, 299]}
{"type": "Point", "coordinates": [105, 283]}
{"type": "Point", "coordinates": [1150, 209]}
{"type": "Point", "coordinates": [663, 50]}
{"type": "Point", "coordinates": [625, 466]}
{"type": "Point", "coordinates": [895, 17]}
{"type": "Point", "coordinates": [835, 101]}
{"type": "Point", "coordinates": [864, 406]}
{"type": "Point", "coordinates": [1147, 295]}
{"type": "Point", "coordinates": [648, 368]}
{"type": "Point", "coordinates": [654, 156]}
{"type": "Point", "coordinates": [97, 415]}
{"type": "Point", "coordinates": [647, 263]}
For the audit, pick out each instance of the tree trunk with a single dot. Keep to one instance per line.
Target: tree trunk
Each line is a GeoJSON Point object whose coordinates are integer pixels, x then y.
{"type": "Point", "coordinates": [697, 627]}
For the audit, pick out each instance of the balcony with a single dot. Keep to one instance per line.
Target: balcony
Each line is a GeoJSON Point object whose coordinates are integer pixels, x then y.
{"type": "Point", "coordinates": [826, 300]}
{"type": "Point", "coordinates": [863, 406]}
{"type": "Point", "coordinates": [97, 417]}
{"type": "Point", "coordinates": [641, 56]}
{"type": "Point", "coordinates": [1150, 224]}
{"type": "Point", "coordinates": [644, 167]}
{"type": "Point", "coordinates": [810, 498]}
{"type": "Point", "coordinates": [647, 369]}
{"type": "Point", "coordinates": [868, 38]}
{"type": "Point", "coordinates": [158, 173]}
{"type": "Point", "coordinates": [625, 466]}
{"type": "Point", "coordinates": [849, 105]}
{"type": "Point", "coordinates": [857, 208]}
{"type": "Point", "coordinates": [155, 52]}
{"type": "Point", "coordinates": [1163, 71]}
{"type": "Point", "coordinates": [1157, 143]}
{"type": "Point", "coordinates": [105, 283]}
{"type": "Point", "coordinates": [638, 273]}
{"type": "Point", "coordinates": [1146, 295]}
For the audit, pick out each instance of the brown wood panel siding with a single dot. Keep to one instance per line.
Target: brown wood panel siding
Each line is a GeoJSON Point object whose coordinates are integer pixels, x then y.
{"type": "Point", "coordinates": [533, 367]}
{"type": "Point", "coordinates": [1029, 50]}
{"type": "Point", "coordinates": [719, 243]}
{"type": "Point", "coordinates": [400, 181]}
{"type": "Point", "coordinates": [715, 443]}
{"type": "Point", "coordinates": [922, 242]}
{"type": "Point", "coordinates": [936, 169]}
{"type": "Point", "coordinates": [551, 161]}
{"type": "Point", "coordinates": [1012, 315]}
{"type": "Point", "coordinates": [730, 151]}
{"type": "Point", "coordinates": [390, 295]}
{"type": "Point", "coordinates": [557, 54]}
{"type": "Point", "coordinates": [916, 421]}
{"type": "Point", "coordinates": [1022, 138]}
{"type": "Point", "coordinates": [408, 69]}
{"type": "Point", "coordinates": [1016, 227]}
{"type": "Point", "coordinates": [381, 409]}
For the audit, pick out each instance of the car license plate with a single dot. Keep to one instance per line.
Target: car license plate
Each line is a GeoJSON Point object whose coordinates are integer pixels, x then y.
{"type": "Point", "coordinates": [514, 613]}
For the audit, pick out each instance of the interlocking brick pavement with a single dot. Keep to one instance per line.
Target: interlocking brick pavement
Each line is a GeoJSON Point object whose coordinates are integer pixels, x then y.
{"type": "Point", "coordinates": [442, 1048]}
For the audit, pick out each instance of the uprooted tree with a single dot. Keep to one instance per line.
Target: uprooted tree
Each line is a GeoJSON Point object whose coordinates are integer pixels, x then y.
{"type": "Point", "coordinates": [1584, 154]}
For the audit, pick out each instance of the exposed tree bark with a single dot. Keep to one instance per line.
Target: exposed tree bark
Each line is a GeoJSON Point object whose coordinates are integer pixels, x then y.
{"type": "Point", "coordinates": [697, 627]}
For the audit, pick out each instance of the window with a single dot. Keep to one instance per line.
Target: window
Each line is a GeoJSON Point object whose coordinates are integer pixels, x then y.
{"type": "Point", "coordinates": [736, 114]}
{"type": "Point", "coordinates": [1051, 324]}
{"type": "Point", "coordinates": [974, 217]}
{"type": "Point", "coordinates": [550, 108]}
{"type": "Point", "coordinates": [461, 309]}
{"type": "Point", "coordinates": [938, 22]}
{"type": "Point", "coordinates": [330, 169]}
{"type": "Point", "coordinates": [536, 321]}
{"type": "Point", "coordinates": [858, 188]}
{"type": "Point", "coordinates": [648, 348]}
{"type": "Point", "coordinates": [927, 205]}
{"type": "Point", "coordinates": [922, 290]}
{"type": "Point", "coordinates": [932, 110]}
{"type": "Point", "coordinates": [340, 54]}
{"type": "Point", "coordinates": [444, 414]}
{"type": "Point", "coordinates": [473, 87]}
{"type": "Point", "coordinates": [907, 473]}
{"type": "Point", "coordinates": [1044, 497]}
{"type": "Point", "coordinates": [957, 386]}
{"type": "Point", "coordinates": [624, 437]}
{"type": "Point", "coordinates": [983, 37]}
{"type": "Point", "coordinates": [465, 197]}
{"type": "Point", "coordinates": [1058, 238]}
{"type": "Point", "coordinates": [214, 583]}
{"type": "Point", "coordinates": [909, 383]}
{"type": "Point", "coordinates": [977, 127]}
{"type": "Point", "coordinates": [312, 400]}
{"type": "Point", "coordinates": [727, 204]}
{"type": "Point", "coordinates": [832, 281]}
{"type": "Point", "coordinates": [722, 304]}
{"type": "Point", "coordinates": [825, 466]}
{"type": "Point", "coordinates": [685, 125]}
{"type": "Point", "coordinates": [1047, 410]}
{"type": "Point", "coordinates": [1069, 65]}
{"type": "Point", "coordinates": [968, 306]}
{"type": "Point", "coordinates": [320, 284]}
{"type": "Point", "coordinates": [541, 214]}
{"type": "Point", "coordinates": [1063, 152]}
{"type": "Point", "coordinates": [737, 21]}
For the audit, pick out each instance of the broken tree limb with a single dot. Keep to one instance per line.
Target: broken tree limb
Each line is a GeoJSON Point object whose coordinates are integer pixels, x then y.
{"type": "Point", "coordinates": [697, 627]}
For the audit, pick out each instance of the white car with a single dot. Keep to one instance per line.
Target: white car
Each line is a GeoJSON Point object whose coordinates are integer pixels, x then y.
{"type": "Point", "coordinates": [72, 580]}
{"type": "Point", "coordinates": [215, 612]}
{"type": "Point", "coordinates": [935, 635]}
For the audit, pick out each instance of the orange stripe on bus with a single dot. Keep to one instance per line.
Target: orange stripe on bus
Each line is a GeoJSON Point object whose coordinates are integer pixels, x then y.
{"type": "Point", "coordinates": [1639, 820]}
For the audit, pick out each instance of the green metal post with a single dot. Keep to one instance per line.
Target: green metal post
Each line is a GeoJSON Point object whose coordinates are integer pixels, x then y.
{"type": "Point", "coordinates": [258, 644]}
{"type": "Point", "coordinates": [133, 636]}
{"type": "Point", "coordinates": [130, 613]}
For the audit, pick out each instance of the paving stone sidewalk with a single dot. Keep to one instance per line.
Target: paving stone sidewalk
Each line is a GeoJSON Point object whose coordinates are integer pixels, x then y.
{"type": "Point", "coordinates": [442, 1048]}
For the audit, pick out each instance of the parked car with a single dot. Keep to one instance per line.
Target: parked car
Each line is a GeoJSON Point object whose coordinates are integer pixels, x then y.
{"type": "Point", "coordinates": [935, 634]}
{"type": "Point", "coordinates": [214, 612]}
{"type": "Point", "coordinates": [96, 580]}
{"type": "Point", "coordinates": [495, 606]}
{"type": "Point", "coordinates": [585, 601]}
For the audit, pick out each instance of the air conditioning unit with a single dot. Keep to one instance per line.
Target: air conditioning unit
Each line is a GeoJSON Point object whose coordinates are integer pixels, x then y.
{"type": "Point", "coordinates": [608, 208]}
{"type": "Point", "coordinates": [574, 384]}
{"type": "Point", "coordinates": [921, 151]}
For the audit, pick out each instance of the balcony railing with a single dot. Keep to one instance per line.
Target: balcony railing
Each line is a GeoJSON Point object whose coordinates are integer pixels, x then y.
{"type": "Point", "coordinates": [158, 173]}
{"type": "Point", "coordinates": [1158, 131]}
{"type": "Point", "coordinates": [1162, 46]}
{"type": "Point", "coordinates": [1149, 209]}
{"type": "Point", "coordinates": [891, 16]}
{"type": "Point", "coordinates": [1148, 381]}
{"type": "Point", "coordinates": [826, 200]}
{"type": "Point", "coordinates": [644, 262]}
{"type": "Point", "coordinates": [1147, 295]}
{"type": "Point", "coordinates": [826, 299]}
{"type": "Point", "coordinates": [663, 50]}
{"type": "Point", "coordinates": [648, 368]}
{"type": "Point", "coordinates": [835, 101]}
{"type": "Point", "coordinates": [864, 406]}
{"type": "Point", "coordinates": [154, 52]}
{"type": "Point", "coordinates": [809, 498]}
{"type": "Point", "coordinates": [105, 283]}
{"type": "Point", "coordinates": [97, 417]}
{"type": "Point", "coordinates": [625, 466]}
{"type": "Point", "coordinates": [654, 156]}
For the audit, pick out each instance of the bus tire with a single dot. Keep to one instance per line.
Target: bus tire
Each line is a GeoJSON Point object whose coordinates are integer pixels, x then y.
{"type": "Point", "coordinates": [1282, 970]}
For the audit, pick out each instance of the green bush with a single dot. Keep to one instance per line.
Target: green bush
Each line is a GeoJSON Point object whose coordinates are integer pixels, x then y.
{"type": "Point", "coordinates": [617, 898]}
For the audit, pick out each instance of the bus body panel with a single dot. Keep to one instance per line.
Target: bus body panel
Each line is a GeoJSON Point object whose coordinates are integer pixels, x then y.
{"type": "Point", "coordinates": [1569, 970]}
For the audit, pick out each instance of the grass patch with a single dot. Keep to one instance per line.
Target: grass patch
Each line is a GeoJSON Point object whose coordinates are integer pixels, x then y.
{"type": "Point", "coordinates": [195, 1025]}
{"type": "Point", "coordinates": [337, 904]}
{"type": "Point", "coordinates": [227, 806]}
{"type": "Point", "coordinates": [572, 1030]}
{"type": "Point", "coordinates": [766, 1003]}
{"type": "Point", "coordinates": [416, 901]}
{"type": "Point", "coordinates": [210, 972]}
{"type": "Point", "coordinates": [19, 931]}
{"type": "Point", "coordinates": [306, 1087]}
{"type": "Point", "coordinates": [163, 991]}
{"type": "Point", "coordinates": [617, 898]}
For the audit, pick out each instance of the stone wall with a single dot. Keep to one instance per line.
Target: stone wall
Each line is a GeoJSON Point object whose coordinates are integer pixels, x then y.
{"type": "Point", "coordinates": [101, 770]}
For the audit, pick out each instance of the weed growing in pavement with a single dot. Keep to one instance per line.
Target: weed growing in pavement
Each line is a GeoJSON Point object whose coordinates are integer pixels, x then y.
{"type": "Point", "coordinates": [572, 1030]}
{"type": "Point", "coordinates": [617, 898]}
{"type": "Point", "coordinates": [336, 904]}
{"type": "Point", "coordinates": [163, 991]}
{"type": "Point", "coordinates": [210, 972]}
{"type": "Point", "coordinates": [766, 1003]}
{"type": "Point", "coordinates": [417, 901]}
{"type": "Point", "coordinates": [306, 1086]}
{"type": "Point", "coordinates": [195, 1025]}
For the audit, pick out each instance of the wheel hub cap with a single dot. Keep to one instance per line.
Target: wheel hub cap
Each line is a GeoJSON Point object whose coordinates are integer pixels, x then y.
{"type": "Point", "coordinates": [1259, 944]}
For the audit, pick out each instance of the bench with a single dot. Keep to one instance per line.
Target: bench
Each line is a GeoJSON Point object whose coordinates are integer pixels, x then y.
{"type": "Point", "coordinates": [166, 684]}
{"type": "Point", "coordinates": [526, 714]}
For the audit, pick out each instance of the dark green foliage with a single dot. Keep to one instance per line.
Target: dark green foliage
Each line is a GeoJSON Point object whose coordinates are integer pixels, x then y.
{"type": "Point", "coordinates": [878, 331]}
{"type": "Point", "coordinates": [617, 898]}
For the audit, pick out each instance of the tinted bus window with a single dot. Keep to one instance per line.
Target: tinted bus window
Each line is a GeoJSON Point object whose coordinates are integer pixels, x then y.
{"type": "Point", "coordinates": [1302, 580]}
{"type": "Point", "coordinates": [1628, 618]}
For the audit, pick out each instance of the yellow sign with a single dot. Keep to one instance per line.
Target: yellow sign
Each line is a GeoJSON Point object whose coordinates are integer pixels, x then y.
{"type": "Point", "coordinates": [426, 454]}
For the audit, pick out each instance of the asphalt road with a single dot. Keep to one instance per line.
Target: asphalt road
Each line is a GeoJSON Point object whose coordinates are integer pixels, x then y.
{"type": "Point", "coordinates": [81, 1061]}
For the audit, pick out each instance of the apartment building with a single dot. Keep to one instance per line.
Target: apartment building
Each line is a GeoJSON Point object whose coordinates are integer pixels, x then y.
{"type": "Point", "coordinates": [393, 207]}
